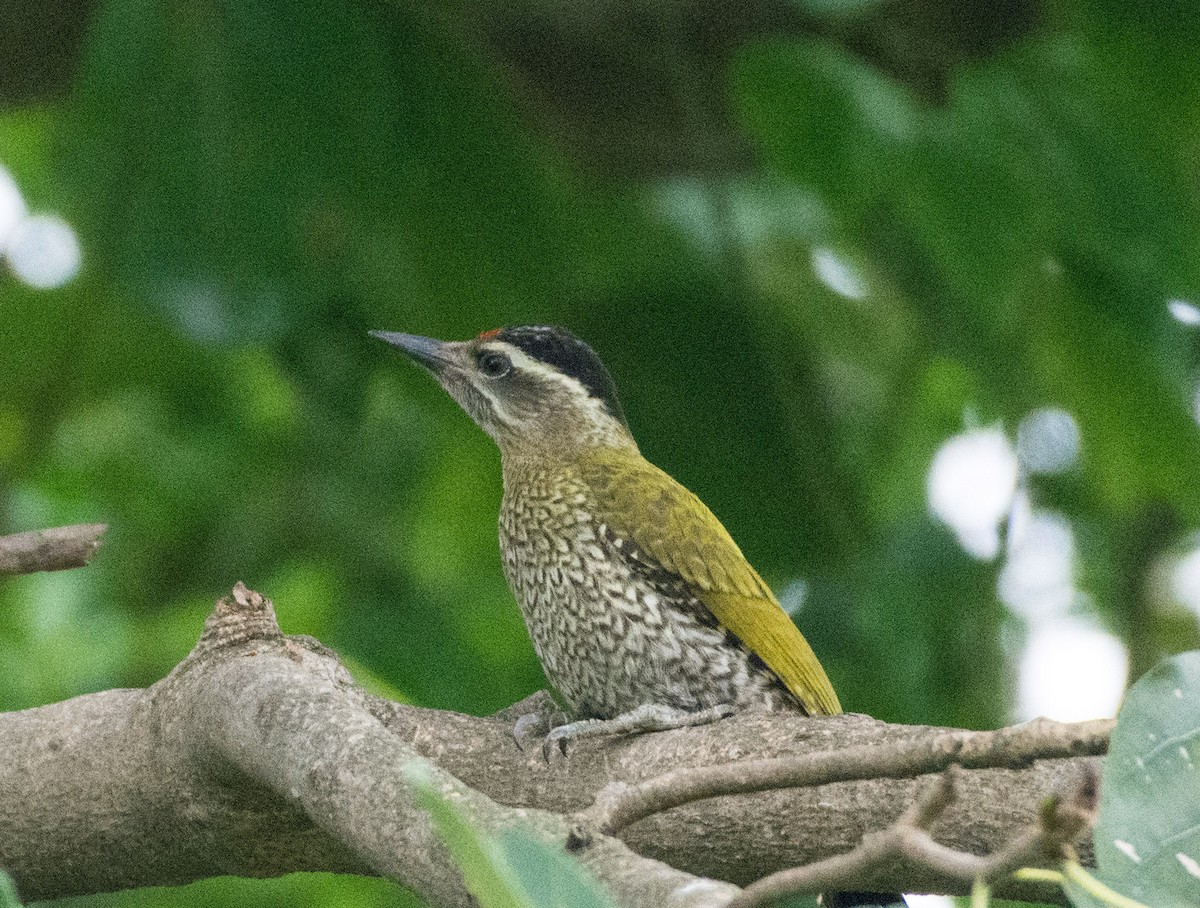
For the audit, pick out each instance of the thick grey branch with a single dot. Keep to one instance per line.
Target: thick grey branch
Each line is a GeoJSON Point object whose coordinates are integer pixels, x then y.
{"type": "Point", "coordinates": [743, 838]}
{"type": "Point", "coordinates": [49, 550]}
{"type": "Point", "coordinates": [256, 756]}
{"type": "Point", "coordinates": [1013, 747]}
{"type": "Point", "coordinates": [259, 756]}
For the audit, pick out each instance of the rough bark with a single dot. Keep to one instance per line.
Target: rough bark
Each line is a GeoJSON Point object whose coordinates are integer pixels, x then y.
{"type": "Point", "coordinates": [258, 755]}
{"type": "Point", "coordinates": [741, 838]}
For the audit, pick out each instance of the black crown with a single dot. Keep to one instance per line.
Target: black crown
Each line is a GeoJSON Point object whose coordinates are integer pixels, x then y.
{"type": "Point", "coordinates": [561, 349]}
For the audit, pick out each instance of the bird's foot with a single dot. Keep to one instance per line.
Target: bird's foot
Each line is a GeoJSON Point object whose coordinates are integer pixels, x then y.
{"type": "Point", "coordinates": [644, 718]}
{"type": "Point", "coordinates": [532, 718]}
{"type": "Point", "coordinates": [530, 729]}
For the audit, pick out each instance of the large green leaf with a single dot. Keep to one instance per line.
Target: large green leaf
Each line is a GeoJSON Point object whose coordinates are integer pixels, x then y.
{"type": "Point", "coordinates": [1080, 897]}
{"type": "Point", "coordinates": [513, 869]}
{"type": "Point", "coordinates": [8, 892]}
{"type": "Point", "coordinates": [551, 878]}
{"type": "Point", "coordinates": [487, 874]}
{"type": "Point", "coordinates": [824, 117]}
{"type": "Point", "coordinates": [1148, 833]}
{"type": "Point", "coordinates": [1094, 894]}
{"type": "Point", "coordinates": [240, 165]}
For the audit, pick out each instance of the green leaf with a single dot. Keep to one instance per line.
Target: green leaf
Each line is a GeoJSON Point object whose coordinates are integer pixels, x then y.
{"type": "Point", "coordinates": [1148, 833]}
{"type": "Point", "coordinates": [511, 870]}
{"type": "Point", "coordinates": [551, 878]}
{"type": "Point", "coordinates": [8, 892]}
{"type": "Point", "coordinates": [1080, 897]}
{"type": "Point", "coordinates": [1139, 436]}
{"type": "Point", "coordinates": [1083, 890]}
{"type": "Point", "coordinates": [485, 870]}
{"type": "Point", "coordinates": [825, 118]}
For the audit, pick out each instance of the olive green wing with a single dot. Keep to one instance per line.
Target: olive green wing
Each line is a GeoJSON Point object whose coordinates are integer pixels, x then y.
{"type": "Point", "coordinates": [675, 529]}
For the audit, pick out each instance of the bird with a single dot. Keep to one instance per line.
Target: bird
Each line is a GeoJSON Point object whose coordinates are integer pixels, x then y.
{"type": "Point", "coordinates": [643, 611]}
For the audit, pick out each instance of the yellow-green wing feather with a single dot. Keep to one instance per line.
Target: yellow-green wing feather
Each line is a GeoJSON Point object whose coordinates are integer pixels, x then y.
{"type": "Point", "coordinates": [677, 530]}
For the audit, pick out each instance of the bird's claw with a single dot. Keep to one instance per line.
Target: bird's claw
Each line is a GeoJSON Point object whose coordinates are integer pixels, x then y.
{"type": "Point", "coordinates": [529, 730]}
{"type": "Point", "coordinates": [535, 727]}
{"type": "Point", "coordinates": [560, 736]}
{"type": "Point", "coordinates": [645, 718]}
{"type": "Point", "coordinates": [555, 742]}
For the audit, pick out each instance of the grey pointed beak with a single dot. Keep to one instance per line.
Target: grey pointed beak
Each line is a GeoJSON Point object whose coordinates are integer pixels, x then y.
{"type": "Point", "coordinates": [428, 352]}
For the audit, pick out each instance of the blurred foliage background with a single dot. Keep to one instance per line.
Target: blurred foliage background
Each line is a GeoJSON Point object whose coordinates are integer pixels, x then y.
{"type": "Point", "coordinates": [902, 288]}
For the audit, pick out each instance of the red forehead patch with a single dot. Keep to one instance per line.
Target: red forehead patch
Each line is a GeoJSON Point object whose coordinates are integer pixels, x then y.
{"type": "Point", "coordinates": [488, 335]}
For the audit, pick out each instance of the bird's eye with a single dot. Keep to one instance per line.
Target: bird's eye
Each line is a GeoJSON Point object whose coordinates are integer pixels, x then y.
{"type": "Point", "coordinates": [493, 364]}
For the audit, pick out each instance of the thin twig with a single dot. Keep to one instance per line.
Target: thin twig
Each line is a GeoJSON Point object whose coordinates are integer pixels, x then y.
{"type": "Point", "coordinates": [620, 805]}
{"type": "Point", "coordinates": [845, 870]}
{"type": "Point", "coordinates": [49, 550]}
{"type": "Point", "coordinates": [909, 839]}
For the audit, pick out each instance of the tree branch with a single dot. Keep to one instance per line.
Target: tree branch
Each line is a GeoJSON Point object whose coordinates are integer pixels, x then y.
{"type": "Point", "coordinates": [619, 806]}
{"type": "Point", "coordinates": [1062, 820]}
{"type": "Point", "coordinates": [744, 838]}
{"type": "Point", "coordinates": [49, 550]}
{"type": "Point", "coordinates": [258, 756]}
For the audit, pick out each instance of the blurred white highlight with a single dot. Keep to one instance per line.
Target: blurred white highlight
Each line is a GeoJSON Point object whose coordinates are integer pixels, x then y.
{"type": "Point", "coordinates": [1185, 581]}
{"type": "Point", "coordinates": [971, 485]}
{"type": "Point", "coordinates": [12, 208]}
{"type": "Point", "coordinates": [1128, 850]}
{"type": "Point", "coordinates": [1048, 441]}
{"type": "Point", "coordinates": [792, 597]}
{"type": "Point", "coordinates": [1071, 670]}
{"type": "Point", "coordinates": [930, 901]}
{"type": "Point", "coordinates": [1184, 312]}
{"type": "Point", "coordinates": [43, 251]}
{"type": "Point", "coordinates": [837, 274]}
{"type": "Point", "coordinates": [1038, 578]}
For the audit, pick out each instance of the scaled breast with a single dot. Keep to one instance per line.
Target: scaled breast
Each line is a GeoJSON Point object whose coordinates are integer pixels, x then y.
{"type": "Point", "coordinates": [612, 630]}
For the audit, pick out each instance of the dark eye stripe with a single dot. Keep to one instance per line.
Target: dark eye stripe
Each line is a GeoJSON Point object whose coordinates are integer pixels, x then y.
{"type": "Point", "coordinates": [561, 349]}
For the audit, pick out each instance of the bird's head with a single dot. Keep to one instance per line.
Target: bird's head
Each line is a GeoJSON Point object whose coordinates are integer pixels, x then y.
{"type": "Point", "coordinates": [536, 390]}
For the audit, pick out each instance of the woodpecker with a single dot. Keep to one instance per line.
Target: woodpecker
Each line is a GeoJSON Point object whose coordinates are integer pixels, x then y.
{"type": "Point", "coordinates": [641, 607]}
{"type": "Point", "coordinates": [644, 612]}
